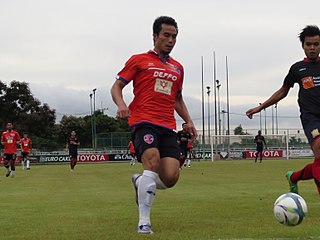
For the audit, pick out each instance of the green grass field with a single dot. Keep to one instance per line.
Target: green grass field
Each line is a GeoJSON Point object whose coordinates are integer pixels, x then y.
{"type": "Point", "coordinates": [220, 200]}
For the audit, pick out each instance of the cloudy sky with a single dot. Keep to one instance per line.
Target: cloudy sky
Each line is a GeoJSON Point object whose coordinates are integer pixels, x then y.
{"type": "Point", "coordinates": [66, 48]}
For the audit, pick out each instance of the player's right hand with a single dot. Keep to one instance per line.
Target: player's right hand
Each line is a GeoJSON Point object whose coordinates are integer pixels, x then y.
{"type": "Point", "coordinates": [252, 111]}
{"type": "Point", "coordinates": [123, 112]}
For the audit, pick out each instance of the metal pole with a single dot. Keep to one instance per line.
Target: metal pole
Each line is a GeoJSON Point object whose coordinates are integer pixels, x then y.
{"type": "Point", "coordinates": [277, 127]}
{"type": "Point", "coordinates": [265, 121]}
{"type": "Point", "coordinates": [202, 103]}
{"type": "Point", "coordinates": [92, 130]}
{"type": "Point", "coordinates": [208, 92]}
{"type": "Point", "coordinates": [219, 115]}
{"type": "Point", "coordinates": [223, 128]}
{"type": "Point", "coordinates": [272, 120]}
{"type": "Point", "coordinates": [94, 119]}
{"type": "Point", "coordinates": [228, 105]}
{"type": "Point", "coordinates": [215, 94]}
{"type": "Point", "coordinates": [260, 119]}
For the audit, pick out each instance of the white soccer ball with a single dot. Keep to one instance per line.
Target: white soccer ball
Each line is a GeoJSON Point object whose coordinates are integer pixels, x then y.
{"type": "Point", "coordinates": [290, 209]}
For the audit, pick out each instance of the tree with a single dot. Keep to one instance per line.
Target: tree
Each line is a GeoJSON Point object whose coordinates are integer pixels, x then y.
{"type": "Point", "coordinates": [239, 131]}
{"type": "Point", "coordinates": [20, 107]}
{"type": "Point", "coordinates": [83, 127]}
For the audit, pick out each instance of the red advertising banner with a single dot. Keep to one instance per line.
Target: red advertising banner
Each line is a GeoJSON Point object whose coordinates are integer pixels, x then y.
{"type": "Point", "coordinates": [265, 154]}
{"type": "Point", "coordinates": [93, 157]}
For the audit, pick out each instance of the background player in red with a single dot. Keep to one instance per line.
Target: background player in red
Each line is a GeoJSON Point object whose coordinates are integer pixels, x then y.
{"type": "Point", "coordinates": [157, 87]}
{"type": "Point", "coordinates": [183, 137]}
{"type": "Point", "coordinates": [306, 73]}
{"type": "Point", "coordinates": [10, 138]}
{"type": "Point", "coordinates": [72, 147]}
{"type": "Point", "coordinates": [190, 151]}
{"type": "Point", "coordinates": [132, 153]}
{"type": "Point", "coordinates": [26, 145]}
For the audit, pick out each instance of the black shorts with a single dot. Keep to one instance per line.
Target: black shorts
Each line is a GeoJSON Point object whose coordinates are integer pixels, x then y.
{"type": "Point", "coordinates": [184, 150]}
{"type": "Point", "coordinates": [24, 154]}
{"type": "Point", "coordinates": [150, 136]}
{"type": "Point", "coordinates": [73, 154]}
{"type": "Point", "coordinates": [311, 126]}
{"type": "Point", "coordinates": [259, 149]}
{"type": "Point", "coordinates": [10, 156]}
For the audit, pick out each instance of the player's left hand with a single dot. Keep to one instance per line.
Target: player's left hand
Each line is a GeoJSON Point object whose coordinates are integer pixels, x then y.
{"type": "Point", "coordinates": [192, 130]}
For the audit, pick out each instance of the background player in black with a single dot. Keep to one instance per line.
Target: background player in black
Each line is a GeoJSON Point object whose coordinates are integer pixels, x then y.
{"type": "Point", "coordinates": [307, 74]}
{"type": "Point", "coordinates": [72, 146]}
{"type": "Point", "coordinates": [259, 141]}
{"type": "Point", "coordinates": [183, 137]}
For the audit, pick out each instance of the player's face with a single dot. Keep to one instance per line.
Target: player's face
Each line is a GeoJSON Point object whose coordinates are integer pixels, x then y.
{"type": "Point", "coordinates": [9, 126]}
{"type": "Point", "coordinates": [311, 47]}
{"type": "Point", "coordinates": [73, 133]}
{"type": "Point", "coordinates": [165, 41]}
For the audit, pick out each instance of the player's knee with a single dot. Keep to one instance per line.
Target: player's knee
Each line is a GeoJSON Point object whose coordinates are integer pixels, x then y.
{"type": "Point", "coordinates": [170, 179]}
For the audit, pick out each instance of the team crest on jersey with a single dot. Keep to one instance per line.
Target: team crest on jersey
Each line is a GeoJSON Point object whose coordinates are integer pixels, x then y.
{"type": "Point", "coordinates": [148, 138]}
{"type": "Point", "coordinates": [176, 69]}
{"type": "Point", "coordinates": [307, 82]}
{"type": "Point", "coordinates": [315, 133]}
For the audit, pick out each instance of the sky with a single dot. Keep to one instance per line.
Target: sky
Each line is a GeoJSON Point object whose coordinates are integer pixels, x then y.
{"type": "Point", "coordinates": [66, 48]}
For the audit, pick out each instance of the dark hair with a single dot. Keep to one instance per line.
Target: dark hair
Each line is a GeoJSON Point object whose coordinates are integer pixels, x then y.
{"type": "Point", "coordinates": [183, 124]}
{"type": "Point", "coordinates": [163, 20]}
{"type": "Point", "coordinates": [309, 31]}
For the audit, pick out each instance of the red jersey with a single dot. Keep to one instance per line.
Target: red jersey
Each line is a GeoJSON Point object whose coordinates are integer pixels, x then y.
{"type": "Point", "coordinates": [156, 83]}
{"type": "Point", "coordinates": [190, 144]}
{"type": "Point", "coordinates": [25, 144]}
{"type": "Point", "coordinates": [10, 140]}
{"type": "Point", "coordinates": [131, 147]}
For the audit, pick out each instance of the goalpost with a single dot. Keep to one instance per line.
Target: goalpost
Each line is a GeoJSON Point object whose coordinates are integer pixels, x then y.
{"type": "Point", "coordinates": [243, 146]}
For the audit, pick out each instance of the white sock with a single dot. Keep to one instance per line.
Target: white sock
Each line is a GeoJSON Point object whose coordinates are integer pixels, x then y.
{"type": "Point", "coordinates": [160, 184]}
{"type": "Point", "coordinates": [189, 161]}
{"type": "Point", "coordinates": [28, 164]}
{"type": "Point", "coordinates": [146, 194]}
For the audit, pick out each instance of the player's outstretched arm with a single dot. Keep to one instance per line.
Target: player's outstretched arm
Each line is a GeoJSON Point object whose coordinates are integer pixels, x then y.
{"type": "Point", "coordinates": [275, 97]}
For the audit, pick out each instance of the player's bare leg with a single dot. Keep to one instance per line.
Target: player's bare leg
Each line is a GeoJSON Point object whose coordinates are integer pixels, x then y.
{"type": "Point", "coordinates": [310, 171]}
{"type": "Point", "coordinates": [7, 166]}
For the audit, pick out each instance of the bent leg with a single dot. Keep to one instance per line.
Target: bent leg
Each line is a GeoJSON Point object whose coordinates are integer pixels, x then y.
{"type": "Point", "coordinates": [169, 171]}
{"type": "Point", "coordinates": [316, 163]}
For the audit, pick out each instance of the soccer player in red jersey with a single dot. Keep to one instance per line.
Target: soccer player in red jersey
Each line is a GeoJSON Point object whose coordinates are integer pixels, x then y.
{"type": "Point", "coordinates": [132, 153]}
{"type": "Point", "coordinates": [190, 150]}
{"type": "Point", "coordinates": [183, 137]}
{"type": "Point", "coordinates": [72, 146]}
{"type": "Point", "coordinates": [157, 87]}
{"type": "Point", "coordinates": [26, 145]}
{"type": "Point", "coordinates": [306, 74]}
{"type": "Point", "coordinates": [10, 138]}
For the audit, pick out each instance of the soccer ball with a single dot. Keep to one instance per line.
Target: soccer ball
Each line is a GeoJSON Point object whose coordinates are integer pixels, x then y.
{"type": "Point", "coordinates": [290, 209]}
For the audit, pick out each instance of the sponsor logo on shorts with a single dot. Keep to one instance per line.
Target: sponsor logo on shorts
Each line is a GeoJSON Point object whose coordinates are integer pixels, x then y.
{"type": "Point", "coordinates": [148, 138]}
{"type": "Point", "coordinates": [315, 133]}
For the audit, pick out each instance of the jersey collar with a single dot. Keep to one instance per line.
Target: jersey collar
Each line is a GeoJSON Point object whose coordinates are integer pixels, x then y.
{"type": "Point", "coordinates": [308, 60]}
{"type": "Point", "coordinates": [164, 60]}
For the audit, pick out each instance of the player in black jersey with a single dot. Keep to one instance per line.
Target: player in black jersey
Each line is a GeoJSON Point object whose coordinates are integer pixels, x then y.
{"type": "Point", "coordinates": [72, 146]}
{"type": "Point", "coordinates": [259, 141]}
{"type": "Point", "coordinates": [183, 137]}
{"type": "Point", "coordinates": [306, 74]}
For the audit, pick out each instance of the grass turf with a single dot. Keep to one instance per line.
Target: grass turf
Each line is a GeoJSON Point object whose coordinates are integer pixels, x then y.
{"type": "Point", "coordinates": [220, 200]}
